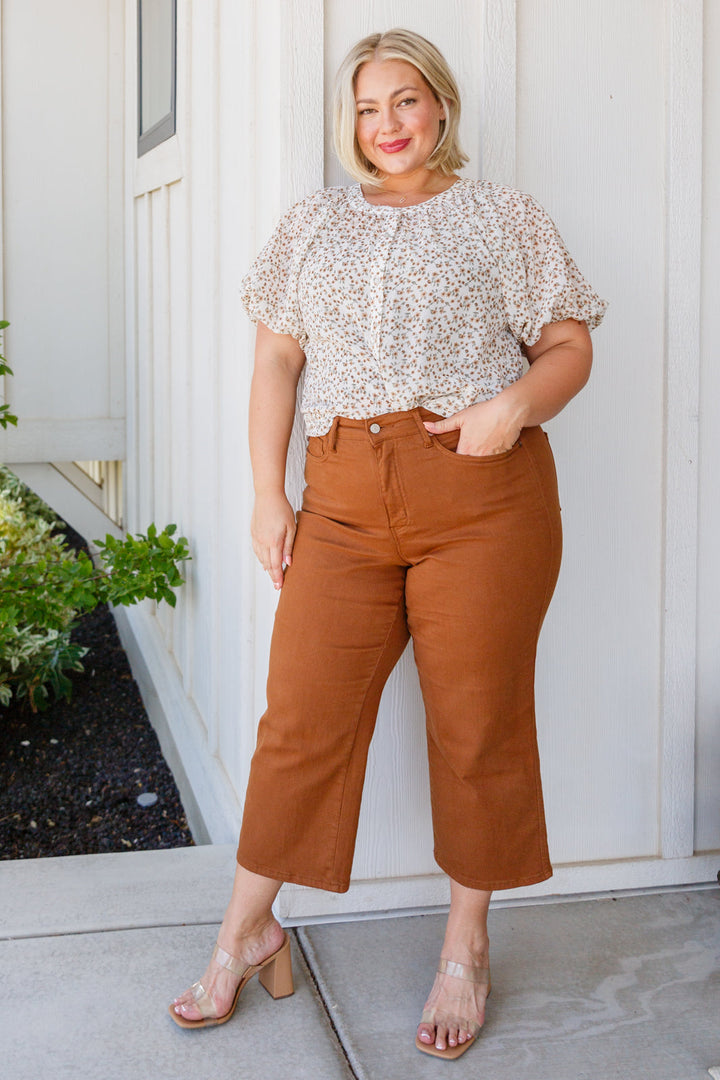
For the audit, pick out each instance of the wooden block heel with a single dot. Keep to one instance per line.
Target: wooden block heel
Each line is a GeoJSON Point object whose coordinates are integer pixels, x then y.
{"type": "Point", "coordinates": [277, 977]}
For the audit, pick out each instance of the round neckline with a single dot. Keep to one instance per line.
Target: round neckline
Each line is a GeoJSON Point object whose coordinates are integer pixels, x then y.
{"type": "Point", "coordinates": [357, 191]}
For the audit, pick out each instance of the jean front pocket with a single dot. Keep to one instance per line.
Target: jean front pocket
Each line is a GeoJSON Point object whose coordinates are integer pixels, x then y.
{"type": "Point", "coordinates": [446, 444]}
{"type": "Point", "coordinates": [317, 447]}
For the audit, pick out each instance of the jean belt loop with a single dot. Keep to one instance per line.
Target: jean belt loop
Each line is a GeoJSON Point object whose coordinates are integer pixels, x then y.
{"type": "Point", "coordinates": [332, 435]}
{"type": "Point", "coordinates": [426, 436]}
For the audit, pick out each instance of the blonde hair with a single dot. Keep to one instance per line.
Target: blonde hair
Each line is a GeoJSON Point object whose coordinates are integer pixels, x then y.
{"type": "Point", "coordinates": [397, 44]}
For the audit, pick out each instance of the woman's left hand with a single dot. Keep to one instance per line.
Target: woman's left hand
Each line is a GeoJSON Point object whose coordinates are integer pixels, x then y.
{"type": "Point", "coordinates": [486, 428]}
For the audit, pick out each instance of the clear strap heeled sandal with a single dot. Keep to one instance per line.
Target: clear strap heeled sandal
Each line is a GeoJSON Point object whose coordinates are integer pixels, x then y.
{"type": "Point", "coordinates": [274, 973]}
{"type": "Point", "coordinates": [442, 1018]}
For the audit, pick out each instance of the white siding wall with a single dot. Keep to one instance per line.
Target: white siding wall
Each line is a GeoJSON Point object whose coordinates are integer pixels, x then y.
{"type": "Point", "coordinates": [708, 717]}
{"type": "Point", "coordinates": [62, 201]}
{"type": "Point", "coordinates": [567, 101]}
{"type": "Point", "coordinates": [591, 146]}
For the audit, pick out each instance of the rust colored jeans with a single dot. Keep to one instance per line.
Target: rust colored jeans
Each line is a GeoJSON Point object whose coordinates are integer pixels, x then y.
{"type": "Point", "coordinates": [399, 536]}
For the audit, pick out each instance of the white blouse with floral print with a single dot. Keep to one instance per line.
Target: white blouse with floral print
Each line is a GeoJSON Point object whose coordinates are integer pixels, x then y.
{"type": "Point", "coordinates": [428, 305]}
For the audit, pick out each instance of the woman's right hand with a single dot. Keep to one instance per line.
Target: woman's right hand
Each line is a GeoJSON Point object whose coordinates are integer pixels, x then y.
{"type": "Point", "coordinates": [273, 531]}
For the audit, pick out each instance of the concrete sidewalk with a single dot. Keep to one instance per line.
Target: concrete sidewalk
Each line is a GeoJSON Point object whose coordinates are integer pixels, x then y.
{"type": "Point", "coordinates": [94, 947]}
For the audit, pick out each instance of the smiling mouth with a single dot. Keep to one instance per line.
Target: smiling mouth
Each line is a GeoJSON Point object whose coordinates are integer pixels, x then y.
{"type": "Point", "coordinates": [393, 147]}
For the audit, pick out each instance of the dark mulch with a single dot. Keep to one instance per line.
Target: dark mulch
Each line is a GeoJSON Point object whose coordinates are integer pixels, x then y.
{"type": "Point", "coordinates": [70, 777]}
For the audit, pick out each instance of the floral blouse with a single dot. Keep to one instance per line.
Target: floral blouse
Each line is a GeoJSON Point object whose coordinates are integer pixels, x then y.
{"type": "Point", "coordinates": [428, 305]}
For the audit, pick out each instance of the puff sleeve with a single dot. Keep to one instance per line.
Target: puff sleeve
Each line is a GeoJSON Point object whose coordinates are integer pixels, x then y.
{"type": "Point", "coordinates": [541, 282]}
{"type": "Point", "coordinates": [269, 291]}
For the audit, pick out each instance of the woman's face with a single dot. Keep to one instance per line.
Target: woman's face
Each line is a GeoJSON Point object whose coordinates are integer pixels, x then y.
{"type": "Point", "coordinates": [398, 116]}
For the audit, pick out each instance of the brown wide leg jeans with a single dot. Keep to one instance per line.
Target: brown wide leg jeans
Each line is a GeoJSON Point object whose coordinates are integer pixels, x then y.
{"type": "Point", "coordinates": [400, 536]}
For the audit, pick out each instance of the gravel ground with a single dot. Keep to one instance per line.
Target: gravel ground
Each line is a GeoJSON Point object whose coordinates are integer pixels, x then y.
{"type": "Point", "coordinates": [70, 777]}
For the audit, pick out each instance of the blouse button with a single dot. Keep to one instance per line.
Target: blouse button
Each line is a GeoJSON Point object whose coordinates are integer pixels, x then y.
{"type": "Point", "coordinates": [375, 428]}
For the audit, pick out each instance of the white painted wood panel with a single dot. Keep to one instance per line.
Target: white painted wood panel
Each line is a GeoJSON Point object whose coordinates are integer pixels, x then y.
{"type": "Point", "coordinates": [590, 147]}
{"type": "Point", "coordinates": [235, 558]}
{"type": "Point", "coordinates": [498, 74]}
{"type": "Point", "coordinates": [161, 415]}
{"type": "Point", "coordinates": [62, 210]}
{"type": "Point", "coordinates": [707, 810]}
{"type": "Point", "coordinates": [682, 378]}
{"type": "Point", "coordinates": [180, 409]}
{"type": "Point", "coordinates": [181, 314]}
{"type": "Point", "coordinates": [201, 164]}
{"type": "Point", "coordinates": [142, 482]}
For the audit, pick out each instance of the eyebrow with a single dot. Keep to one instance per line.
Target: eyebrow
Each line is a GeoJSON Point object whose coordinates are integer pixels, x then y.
{"type": "Point", "coordinates": [372, 101]}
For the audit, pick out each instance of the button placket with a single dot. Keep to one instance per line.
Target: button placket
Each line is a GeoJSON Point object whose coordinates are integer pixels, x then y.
{"type": "Point", "coordinates": [386, 371]}
{"type": "Point", "coordinates": [377, 285]}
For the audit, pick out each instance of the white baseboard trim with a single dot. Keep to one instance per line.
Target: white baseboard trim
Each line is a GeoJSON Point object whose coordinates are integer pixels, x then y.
{"type": "Point", "coordinates": [209, 800]}
{"type": "Point", "coordinates": [404, 896]}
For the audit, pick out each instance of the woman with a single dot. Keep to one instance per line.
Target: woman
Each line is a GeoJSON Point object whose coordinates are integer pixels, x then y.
{"type": "Point", "coordinates": [410, 298]}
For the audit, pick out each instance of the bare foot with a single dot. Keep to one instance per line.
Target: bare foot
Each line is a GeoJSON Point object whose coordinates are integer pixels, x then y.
{"type": "Point", "coordinates": [251, 947]}
{"type": "Point", "coordinates": [455, 1009]}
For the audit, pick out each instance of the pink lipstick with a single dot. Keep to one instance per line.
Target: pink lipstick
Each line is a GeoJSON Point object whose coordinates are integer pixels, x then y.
{"type": "Point", "coordinates": [394, 147]}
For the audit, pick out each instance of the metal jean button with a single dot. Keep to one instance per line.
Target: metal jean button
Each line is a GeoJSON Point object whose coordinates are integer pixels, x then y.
{"type": "Point", "coordinates": [375, 428]}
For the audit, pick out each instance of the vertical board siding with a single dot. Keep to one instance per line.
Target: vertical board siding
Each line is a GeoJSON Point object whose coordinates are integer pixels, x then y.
{"type": "Point", "coordinates": [201, 150]}
{"type": "Point", "coordinates": [161, 415]}
{"type": "Point", "coordinates": [236, 560]}
{"type": "Point", "coordinates": [707, 750]}
{"type": "Point", "coordinates": [180, 408]}
{"type": "Point", "coordinates": [131, 254]}
{"type": "Point", "coordinates": [116, 218]}
{"type": "Point", "coordinates": [181, 354]}
{"type": "Point", "coordinates": [682, 375]}
{"type": "Point", "coordinates": [498, 73]}
{"type": "Point", "coordinates": [590, 147]}
{"type": "Point", "coordinates": [144, 381]}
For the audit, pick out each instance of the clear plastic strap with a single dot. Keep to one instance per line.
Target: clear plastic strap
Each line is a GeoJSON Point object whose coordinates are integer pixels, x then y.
{"type": "Point", "coordinates": [203, 1001]}
{"type": "Point", "coordinates": [230, 963]}
{"type": "Point", "coordinates": [464, 971]}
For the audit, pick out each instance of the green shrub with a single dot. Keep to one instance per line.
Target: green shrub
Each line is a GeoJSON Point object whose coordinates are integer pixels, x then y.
{"type": "Point", "coordinates": [45, 586]}
{"type": "Point", "coordinates": [6, 417]}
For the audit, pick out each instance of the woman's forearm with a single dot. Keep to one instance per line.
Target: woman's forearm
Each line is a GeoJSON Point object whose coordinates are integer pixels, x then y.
{"type": "Point", "coordinates": [278, 363]}
{"type": "Point", "coordinates": [552, 380]}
